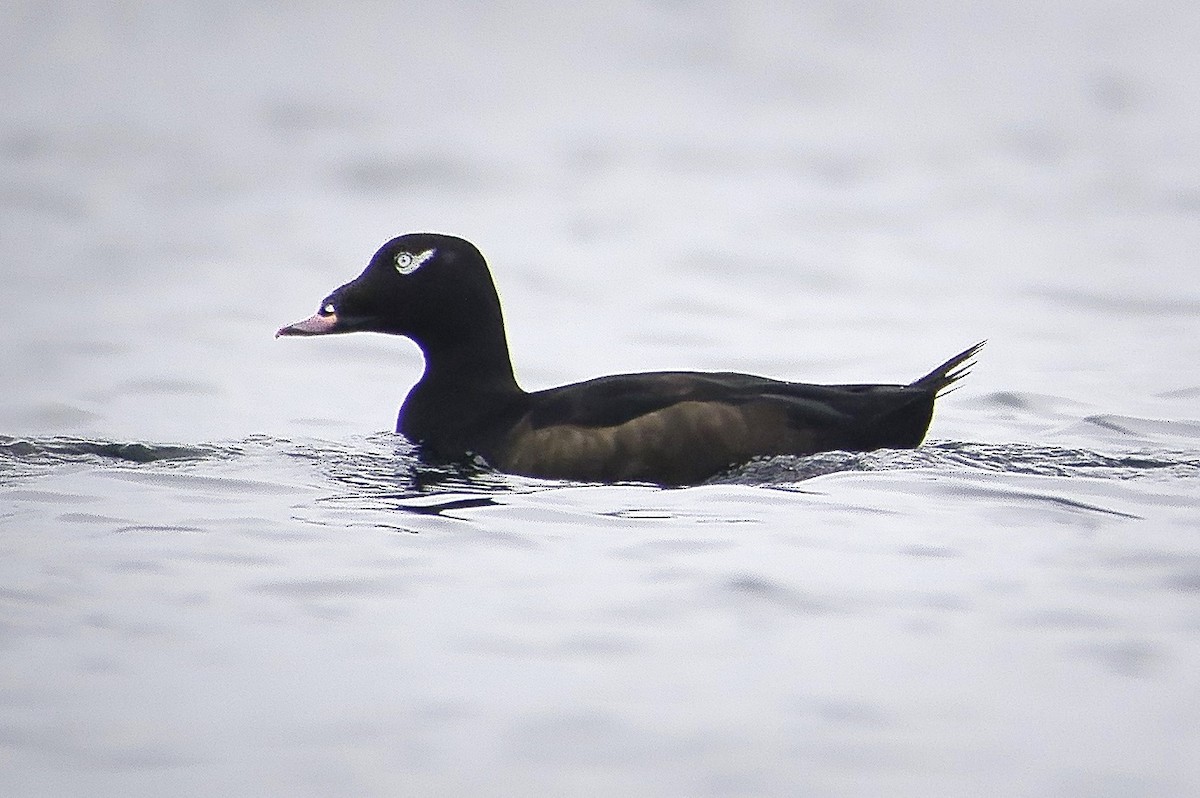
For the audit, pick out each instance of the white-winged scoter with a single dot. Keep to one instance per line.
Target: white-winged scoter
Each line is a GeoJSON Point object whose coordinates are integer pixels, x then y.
{"type": "Point", "coordinates": [671, 428]}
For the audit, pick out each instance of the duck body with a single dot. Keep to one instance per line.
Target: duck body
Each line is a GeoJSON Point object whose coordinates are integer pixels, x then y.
{"type": "Point", "coordinates": [670, 428]}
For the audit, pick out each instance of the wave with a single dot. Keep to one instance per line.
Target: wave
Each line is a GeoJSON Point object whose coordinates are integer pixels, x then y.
{"type": "Point", "coordinates": [1007, 458]}
{"type": "Point", "coordinates": [57, 450]}
{"type": "Point", "coordinates": [388, 466]}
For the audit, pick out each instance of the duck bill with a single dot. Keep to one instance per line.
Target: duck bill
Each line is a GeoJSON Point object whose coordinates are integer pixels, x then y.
{"type": "Point", "coordinates": [313, 325]}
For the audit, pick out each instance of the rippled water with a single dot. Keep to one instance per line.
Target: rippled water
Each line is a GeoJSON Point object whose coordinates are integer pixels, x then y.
{"type": "Point", "coordinates": [301, 615]}
{"type": "Point", "coordinates": [218, 578]}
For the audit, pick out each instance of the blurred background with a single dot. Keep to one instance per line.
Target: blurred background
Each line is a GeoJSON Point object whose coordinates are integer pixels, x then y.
{"type": "Point", "coordinates": [823, 191]}
{"type": "Point", "coordinates": [828, 191]}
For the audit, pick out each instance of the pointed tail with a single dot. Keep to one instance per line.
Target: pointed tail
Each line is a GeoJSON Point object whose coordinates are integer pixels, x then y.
{"type": "Point", "coordinates": [950, 372]}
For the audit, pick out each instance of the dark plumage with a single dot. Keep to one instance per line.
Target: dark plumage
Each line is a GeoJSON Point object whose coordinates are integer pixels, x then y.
{"type": "Point", "coordinates": [672, 428]}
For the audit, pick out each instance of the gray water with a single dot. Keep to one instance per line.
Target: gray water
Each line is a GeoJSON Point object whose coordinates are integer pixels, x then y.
{"type": "Point", "coordinates": [221, 575]}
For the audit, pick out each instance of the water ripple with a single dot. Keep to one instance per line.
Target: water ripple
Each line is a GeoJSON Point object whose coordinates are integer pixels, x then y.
{"type": "Point", "coordinates": [56, 450]}
{"type": "Point", "coordinates": [388, 469]}
{"type": "Point", "coordinates": [1007, 458]}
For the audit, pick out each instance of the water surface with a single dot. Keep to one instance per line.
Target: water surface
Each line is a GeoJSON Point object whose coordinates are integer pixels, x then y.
{"type": "Point", "coordinates": [219, 574]}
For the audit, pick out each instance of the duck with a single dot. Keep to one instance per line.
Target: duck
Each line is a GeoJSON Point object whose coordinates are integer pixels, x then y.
{"type": "Point", "coordinates": [671, 428]}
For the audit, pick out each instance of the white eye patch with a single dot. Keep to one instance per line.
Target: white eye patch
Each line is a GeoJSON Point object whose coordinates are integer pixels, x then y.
{"type": "Point", "coordinates": [407, 262]}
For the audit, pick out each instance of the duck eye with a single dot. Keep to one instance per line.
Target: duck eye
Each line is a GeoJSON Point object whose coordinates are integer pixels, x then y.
{"type": "Point", "coordinates": [327, 310]}
{"type": "Point", "coordinates": [407, 262]}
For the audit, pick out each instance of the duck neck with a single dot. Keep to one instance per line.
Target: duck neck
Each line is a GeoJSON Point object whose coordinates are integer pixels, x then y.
{"type": "Point", "coordinates": [470, 365]}
{"type": "Point", "coordinates": [465, 383]}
